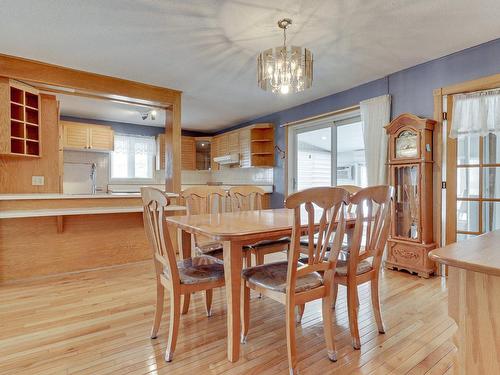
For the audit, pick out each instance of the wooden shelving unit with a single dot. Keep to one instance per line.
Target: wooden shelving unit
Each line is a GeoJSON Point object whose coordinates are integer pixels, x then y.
{"type": "Point", "coordinates": [22, 124]}
{"type": "Point", "coordinates": [262, 146]}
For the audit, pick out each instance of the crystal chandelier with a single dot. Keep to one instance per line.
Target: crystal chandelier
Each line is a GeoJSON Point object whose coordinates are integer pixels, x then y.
{"type": "Point", "coordinates": [285, 69]}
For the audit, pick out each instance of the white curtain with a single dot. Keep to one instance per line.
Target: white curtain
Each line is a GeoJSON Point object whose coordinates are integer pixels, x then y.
{"type": "Point", "coordinates": [133, 156]}
{"type": "Point", "coordinates": [375, 114]}
{"type": "Point", "coordinates": [476, 113]}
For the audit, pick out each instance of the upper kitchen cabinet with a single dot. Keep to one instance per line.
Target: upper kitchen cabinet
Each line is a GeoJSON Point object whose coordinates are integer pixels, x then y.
{"type": "Point", "coordinates": [87, 137]}
{"type": "Point", "coordinates": [19, 119]}
{"type": "Point", "coordinates": [253, 144]}
{"type": "Point", "coordinates": [188, 153]}
{"type": "Point", "coordinates": [203, 153]}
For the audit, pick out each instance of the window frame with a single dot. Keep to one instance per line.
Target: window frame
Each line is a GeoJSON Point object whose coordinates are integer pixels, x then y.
{"type": "Point", "coordinates": [133, 180]}
{"type": "Point", "coordinates": [333, 121]}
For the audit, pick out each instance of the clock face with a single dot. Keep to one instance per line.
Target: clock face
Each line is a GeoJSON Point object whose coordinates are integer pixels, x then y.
{"type": "Point", "coordinates": [406, 145]}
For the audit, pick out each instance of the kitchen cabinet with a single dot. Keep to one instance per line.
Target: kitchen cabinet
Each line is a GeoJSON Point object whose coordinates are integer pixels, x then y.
{"type": "Point", "coordinates": [188, 153]}
{"type": "Point", "coordinates": [19, 119]}
{"type": "Point", "coordinates": [254, 144]}
{"type": "Point", "coordinates": [160, 152]}
{"type": "Point", "coordinates": [87, 137]}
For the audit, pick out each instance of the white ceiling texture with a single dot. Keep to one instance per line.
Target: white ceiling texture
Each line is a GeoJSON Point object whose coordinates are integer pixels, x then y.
{"type": "Point", "coordinates": [208, 48]}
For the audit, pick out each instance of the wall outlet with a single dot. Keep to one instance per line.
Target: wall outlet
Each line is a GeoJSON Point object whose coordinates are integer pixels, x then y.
{"type": "Point", "coordinates": [37, 180]}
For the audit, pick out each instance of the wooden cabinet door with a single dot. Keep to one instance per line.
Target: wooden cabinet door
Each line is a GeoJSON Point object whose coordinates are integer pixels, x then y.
{"type": "Point", "coordinates": [223, 145]}
{"type": "Point", "coordinates": [188, 153]}
{"type": "Point", "coordinates": [233, 142]}
{"type": "Point", "coordinates": [245, 157]}
{"type": "Point", "coordinates": [214, 152]}
{"type": "Point", "coordinates": [101, 138]}
{"type": "Point", "coordinates": [75, 136]}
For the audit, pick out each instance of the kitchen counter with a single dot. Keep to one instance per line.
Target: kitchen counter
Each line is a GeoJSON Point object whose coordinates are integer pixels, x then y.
{"type": "Point", "coordinates": [473, 290]}
{"type": "Point", "coordinates": [13, 214]}
{"type": "Point", "coordinates": [15, 197]}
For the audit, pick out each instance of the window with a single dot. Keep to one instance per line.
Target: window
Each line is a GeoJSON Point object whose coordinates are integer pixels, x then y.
{"type": "Point", "coordinates": [327, 152]}
{"type": "Point", "coordinates": [133, 157]}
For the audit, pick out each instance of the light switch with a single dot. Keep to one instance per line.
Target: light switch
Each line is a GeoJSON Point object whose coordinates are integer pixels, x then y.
{"type": "Point", "coordinates": [37, 180]}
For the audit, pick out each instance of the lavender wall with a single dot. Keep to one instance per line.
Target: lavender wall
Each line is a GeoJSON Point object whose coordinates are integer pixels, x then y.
{"type": "Point", "coordinates": [411, 91]}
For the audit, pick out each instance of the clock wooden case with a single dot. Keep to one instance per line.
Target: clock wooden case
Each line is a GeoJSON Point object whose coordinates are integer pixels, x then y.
{"type": "Point", "coordinates": [410, 168]}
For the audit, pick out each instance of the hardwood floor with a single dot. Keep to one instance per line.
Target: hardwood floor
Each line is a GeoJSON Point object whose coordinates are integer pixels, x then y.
{"type": "Point", "coordinates": [98, 322]}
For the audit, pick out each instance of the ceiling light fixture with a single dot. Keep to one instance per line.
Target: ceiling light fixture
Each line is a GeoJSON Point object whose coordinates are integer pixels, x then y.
{"type": "Point", "coordinates": [285, 69]}
{"type": "Point", "coordinates": [150, 114]}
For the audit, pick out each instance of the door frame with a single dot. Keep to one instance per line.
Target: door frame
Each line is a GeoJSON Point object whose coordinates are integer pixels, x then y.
{"type": "Point", "coordinates": [446, 224]}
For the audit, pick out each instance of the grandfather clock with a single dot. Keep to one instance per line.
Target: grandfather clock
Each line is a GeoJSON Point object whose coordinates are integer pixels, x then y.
{"type": "Point", "coordinates": [410, 168]}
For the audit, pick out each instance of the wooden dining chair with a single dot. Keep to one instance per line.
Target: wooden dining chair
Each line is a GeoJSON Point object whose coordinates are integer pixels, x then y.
{"type": "Point", "coordinates": [371, 230]}
{"type": "Point", "coordinates": [293, 283]}
{"type": "Point", "coordinates": [205, 200]}
{"type": "Point", "coordinates": [245, 198]}
{"type": "Point", "coordinates": [180, 278]}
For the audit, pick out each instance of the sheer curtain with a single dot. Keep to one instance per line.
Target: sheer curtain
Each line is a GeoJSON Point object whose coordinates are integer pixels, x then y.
{"type": "Point", "coordinates": [476, 113]}
{"type": "Point", "coordinates": [133, 157]}
{"type": "Point", "coordinates": [375, 114]}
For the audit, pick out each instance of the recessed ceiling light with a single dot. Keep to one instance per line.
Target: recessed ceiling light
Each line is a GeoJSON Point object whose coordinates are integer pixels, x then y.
{"type": "Point", "coordinates": [323, 138]}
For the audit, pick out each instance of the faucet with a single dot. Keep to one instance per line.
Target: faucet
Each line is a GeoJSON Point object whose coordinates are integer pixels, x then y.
{"type": "Point", "coordinates": [93, 173]}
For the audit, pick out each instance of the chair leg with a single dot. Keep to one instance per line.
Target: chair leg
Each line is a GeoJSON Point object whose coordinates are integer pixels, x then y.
{"type": "Point", "coordinates": [173, 327]}
{"type": "Point", "coordinates": [185, 303]}
{"type": "Point", "coordinates": [352, 311]}
{"type": "Point", "coordinates": [328, 327]}
{"type": "Point", "coordinates": [376, 305]}
{"type": "Point", "coordinates": [160, 297]}
{"type": "Point", "coordinates": [245, 312]}
{"type": "Point", "coordinates": [208, 301]}
{"type": "Point", "coordinates": [290, 339]}
{"type": "Point", "coordinates": [300, 312]}
{"type": "Point", "coordinates": [335, 292]}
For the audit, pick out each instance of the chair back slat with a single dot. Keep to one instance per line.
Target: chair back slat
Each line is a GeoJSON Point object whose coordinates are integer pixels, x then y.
{"type": "Point", "coordinates": [204, 200]}
{"type": "Point", "coordinates": [154, 203]}
{"type": "Point", "coordinates": [371, 229]}
{"type": "Point", "coordinates": [246, 198]}
{"type": "Point", "coordinates": [327, 204]}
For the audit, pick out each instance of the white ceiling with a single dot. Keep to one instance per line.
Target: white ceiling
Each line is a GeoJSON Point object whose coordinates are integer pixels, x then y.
{"type": "Point", "coordinates": [99, 109]}
{"type": "Point", "coordinates": [208, 48]}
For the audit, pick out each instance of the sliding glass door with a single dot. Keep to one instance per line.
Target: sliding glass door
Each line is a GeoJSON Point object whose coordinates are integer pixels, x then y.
{"type": "Point", "coordinates": [327, 152]}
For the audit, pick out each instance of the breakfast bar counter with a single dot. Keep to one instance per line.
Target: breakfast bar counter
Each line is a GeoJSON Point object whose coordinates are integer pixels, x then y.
{"type": "Point", "coordinates": [46, 234]}
{"type": "Point", "coordinates": [473, 302]}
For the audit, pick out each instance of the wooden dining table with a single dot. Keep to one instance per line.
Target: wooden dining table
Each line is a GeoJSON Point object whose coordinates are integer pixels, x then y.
{"type": "Point", "coordinates": [234, 230]}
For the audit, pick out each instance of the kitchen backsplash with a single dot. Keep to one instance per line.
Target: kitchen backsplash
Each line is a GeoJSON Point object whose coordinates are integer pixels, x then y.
{"type": "Point", "coordinates": [227, 176]}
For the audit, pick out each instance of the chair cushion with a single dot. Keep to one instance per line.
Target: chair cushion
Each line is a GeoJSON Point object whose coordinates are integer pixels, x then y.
{"type": "Point", "coordinates": [363, 267]}
{"type": "Point", "coordinates": [211, 248]}
{"type": "Point", "coordinates": [199, 269]}
{"type": "Point", "coordinates": [273, 276]}
{"type": "Point", "coordinates": [263, 243]}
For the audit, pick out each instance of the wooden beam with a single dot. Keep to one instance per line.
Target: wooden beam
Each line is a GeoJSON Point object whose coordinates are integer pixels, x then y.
{"type": "Point", "coordinates": [173, 148]}
{"type": "Point", "coordinates": [43, 73]}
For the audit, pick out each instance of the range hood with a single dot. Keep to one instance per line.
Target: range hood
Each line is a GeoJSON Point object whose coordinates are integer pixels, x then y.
{"type": "Point", "coordinates": [228, 159]}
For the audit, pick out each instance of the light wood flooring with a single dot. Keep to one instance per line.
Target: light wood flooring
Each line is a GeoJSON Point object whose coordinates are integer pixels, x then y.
{"type": "Point", "coordinates": [98, 322]}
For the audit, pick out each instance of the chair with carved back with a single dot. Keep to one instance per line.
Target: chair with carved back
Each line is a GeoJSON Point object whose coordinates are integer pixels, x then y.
{"type": "Point", "coordinates": [320, 210]}
{"type": "Point", "coordinates": [245, 198]}
{"type": "Point", "coordinates": [371, 230]}
{"type": "Point", "coordinates": [203, 273]}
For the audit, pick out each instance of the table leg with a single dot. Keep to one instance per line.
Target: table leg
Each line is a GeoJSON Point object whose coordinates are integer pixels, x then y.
{"type": "Point", "coordinates": [184, 240]}
{"type": "Point", "coordinates": [232, 271]}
